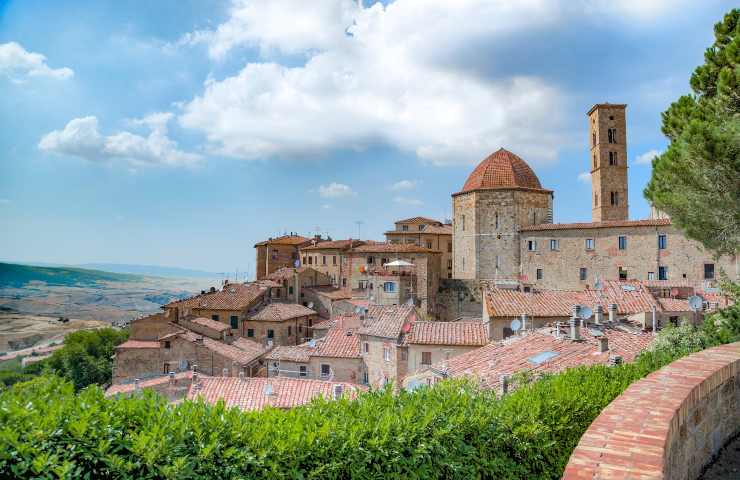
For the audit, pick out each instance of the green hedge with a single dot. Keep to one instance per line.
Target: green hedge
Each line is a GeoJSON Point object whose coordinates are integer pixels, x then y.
{"type": "Point", "coordinates": [452, 430]}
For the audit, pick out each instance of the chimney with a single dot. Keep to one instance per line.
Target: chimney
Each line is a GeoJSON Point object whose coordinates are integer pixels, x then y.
{"type": "Point", "coordinates": [615, 360]}
{"type": "Point", "coordinates": [575, 330]}
{"type": "Point", "coordinates": [136, 385]}
{"type": "Point", "coordinates": [225, 372]}
{"type": "Point", "coordinates": [603, 344]}
{"type": "Point", "coordinates": [504, 379]}
{"type": "Point", "coordinates": [199, 339]}
{"type": "Point", "coordinates": [599, 315]}
{"type": "Point", "coordinates": [337, 391]}
{"type": "Point", "coordinates": [612, 312]}
{"type": "Point", "coordinates": [525, 317]}
{"type": "Point", "coordinates": [171, 381]}
{"type": "Point", "coordinates": [241, 375]}
{"type": "Point", "coordinates": [557, 329]}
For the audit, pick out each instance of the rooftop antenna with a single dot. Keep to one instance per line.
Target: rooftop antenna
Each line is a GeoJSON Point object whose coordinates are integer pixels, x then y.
{"type": "Point", "coordinates": [359, 228]}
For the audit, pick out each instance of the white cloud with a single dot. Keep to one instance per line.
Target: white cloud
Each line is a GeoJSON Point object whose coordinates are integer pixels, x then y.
{"type": "Point", "coordinates": [584, 177]}
{"type": "Point", "coordinates": [647, 157]}
{"type": "Point", "coordinates": [408, 201]}
{"type": "Point", "coordinates": [81, 138]}
{"type": "Point", "coordinates": [382, 81]}
{"type": "Point", "coordinates": [16, 63]}
{"type": "Point", "coordinates": [404, 185]}
{"type": "Point", "coordinates": [336, 190]}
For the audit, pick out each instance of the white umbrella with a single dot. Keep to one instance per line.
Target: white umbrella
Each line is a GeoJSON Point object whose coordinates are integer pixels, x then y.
{"type": "Point", "coordinates": [398, 263]}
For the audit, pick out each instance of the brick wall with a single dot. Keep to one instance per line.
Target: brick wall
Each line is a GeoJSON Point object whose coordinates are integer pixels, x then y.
{"type": "Point", "coordinates": [667, 425]}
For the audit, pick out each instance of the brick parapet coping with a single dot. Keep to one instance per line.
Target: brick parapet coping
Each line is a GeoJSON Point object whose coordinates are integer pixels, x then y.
{"type": "Point", "coordinates": [667, 425]}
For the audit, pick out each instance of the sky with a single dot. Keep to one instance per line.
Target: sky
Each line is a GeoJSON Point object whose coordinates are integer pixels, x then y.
{"type": "Point", "coordinates": [182, 132]}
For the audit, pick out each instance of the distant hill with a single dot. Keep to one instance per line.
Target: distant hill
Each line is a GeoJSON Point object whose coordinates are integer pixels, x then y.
{"type": "Point", "coordinates": [150, 270]}
{"type": "Point", "coordinates": [14, 275]}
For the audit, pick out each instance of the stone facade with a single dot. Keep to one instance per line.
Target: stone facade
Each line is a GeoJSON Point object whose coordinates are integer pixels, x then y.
{"type": "Point", "coordinates": [561, 254]}
{"type": "Point", "coordinates": [342, 369]}
{"type": "Point", "coordinates": [459, 299]}
{"type": "Point", "coordinates": [608, 131]}
{"type": "Point", "coordinates": [152, 327]}
{"type": "Point", "coordinates": [276, 253]}
{"type": "Point", "coordinates": [287, 332]}
{"type": "Point", "coordinates": [426, 232]}
{"type": "Point", "coordinates": [385, 361]}
{"type": "Point", "coordinates": [486, 229]}
{"type": "Point", "coordinates": [437, 353]}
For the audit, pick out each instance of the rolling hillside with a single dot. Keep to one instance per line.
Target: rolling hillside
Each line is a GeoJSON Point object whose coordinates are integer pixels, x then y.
{"type": "Point", "coordinates": [14, 275]}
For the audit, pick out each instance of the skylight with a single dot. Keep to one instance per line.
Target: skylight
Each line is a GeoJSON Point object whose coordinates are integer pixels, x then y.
{"type": "Point", "coordinates": [542, 357]}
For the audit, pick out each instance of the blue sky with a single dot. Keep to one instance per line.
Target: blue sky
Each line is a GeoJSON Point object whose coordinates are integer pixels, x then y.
{"type": "Point", "coordinates": [182, 132]}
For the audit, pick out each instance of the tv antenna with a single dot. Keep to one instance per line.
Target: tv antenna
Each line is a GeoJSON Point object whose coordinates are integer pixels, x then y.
{"type": "Point", "coordinates": [359, 228]}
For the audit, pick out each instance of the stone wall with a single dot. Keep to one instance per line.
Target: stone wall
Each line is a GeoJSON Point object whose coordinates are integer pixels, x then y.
{"type": "Point", "coordinates": [668, 425]}
{"type": "Point", "coordinates": [459, 299]}
{"type": "Point", "coordinates": [439, 354]}
{"type": "Point", "coordinates": [377, 367]}
{"type": "Point", "coordinates": [288, 332]}
{"type": "Point", "coordinates": [607, 178]}
{"type": "Point", "coordinates": [684, 258]}
{"type": "Point", "coordinates": [131, 363]}
{"type": "Point", "coordinates": [343, 369]}
{"type": "Point", "coordinates": [153, 326]}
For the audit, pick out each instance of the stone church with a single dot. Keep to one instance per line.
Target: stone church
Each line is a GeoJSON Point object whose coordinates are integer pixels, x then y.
{"type": "Point", "coordinates": [503, 228]}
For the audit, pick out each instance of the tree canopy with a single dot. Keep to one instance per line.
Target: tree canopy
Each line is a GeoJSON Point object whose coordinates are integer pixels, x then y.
{"type": "Point", "coordinates": [697, 179]}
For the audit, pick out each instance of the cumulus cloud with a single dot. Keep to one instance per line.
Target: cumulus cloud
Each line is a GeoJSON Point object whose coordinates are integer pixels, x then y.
{"type": "Point", "coordinates": [82, 138]}
{"type": "Point", "coordinates": [584, 177]}
{"type": "Point", "coordinates": [647, 157]}
{"type": "Point", "coordinates": [408, 201]}
{"type": "Point", "coordinates": [336, 190]}
{"type": "Point", "coordinates": [374, 76]}
{"type": "Point", "coordinates": [18, 64]}
{"type": "Point", "coordinates": [404, 185]}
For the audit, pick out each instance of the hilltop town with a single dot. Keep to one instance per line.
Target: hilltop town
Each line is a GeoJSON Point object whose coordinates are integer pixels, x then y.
{"type": "Point", "coordinates": [499, 290]}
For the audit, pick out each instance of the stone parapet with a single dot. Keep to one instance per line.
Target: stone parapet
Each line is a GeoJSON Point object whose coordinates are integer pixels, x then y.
{"type": "Point", "coordinates": [668, 425]}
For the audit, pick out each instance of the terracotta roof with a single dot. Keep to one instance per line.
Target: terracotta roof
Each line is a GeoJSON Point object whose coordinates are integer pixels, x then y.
{"type": "Point", "coordinates": [152, 382]}
{"type": "Point", "coordinates": [448, 333]}
{"type": "Point", "coordinates": [249, 393]}
{"type": "Point", "coordinates": [517, 354]}
{"type": "Point", "coordinates": [208, 323]}
{"type": "Point", "coordinates": [393, 248]}
{"type": "Point", "coordinates": [138, 344]}
{"type": "Point", "coordinates": [338, 343]}
{"type": "Point", "coordinates": [244, 354]}
{"type": "Point", "coordinates": [429, 229]}
{"type": "Point", "coordinates": [331, 292]}
{"type": "Point", "coordinates": [387, 321]}
{"type": "Point", "coordinates": [674, 305]}
{"type": "Point", "coordinates": [278, 312]}
{"type": "Point", "coordinates": [284, 240]}
{"type": "Point", "coordinates": [292, 353]}
{"type": "Point", "coordinates": [233, 296]}
{"type": "Point", "coordinates": [334, 245]}
{"type": "Point", "coordinates": [418, 220]}
{"type": "Point", "coordinates": [650, 222]}
{"type": "Point", "coordinates": [559, 303]}
{"type": "Point", "coordinates": [324, 324]}
{"type": "Point", "coordinates": [502, 170]}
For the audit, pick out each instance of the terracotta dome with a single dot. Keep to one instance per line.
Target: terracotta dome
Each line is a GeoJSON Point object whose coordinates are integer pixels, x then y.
{"type": "Point", "coordinates": [502, 170]}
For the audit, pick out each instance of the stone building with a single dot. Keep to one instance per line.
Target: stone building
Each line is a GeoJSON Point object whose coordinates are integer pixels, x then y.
{"type": "Point", "coordinates": [274, 324]}
{"type": "Point", "coordinates": [500, 196]}
{"type": "Point", "coordinates": [608, 129]}
{"type": "Point", "coordinates": [294, 281]}
{"type": "Point", "coordinates": [328, 257]}
{"type": "Point", "coordinates": [384, 354]}
{"type": "Point", "coordinates": [426, 232]}
{"type": "Point", "coordinates": [275, 253]}
{"type": "Point", "coordinates": [432, 342]}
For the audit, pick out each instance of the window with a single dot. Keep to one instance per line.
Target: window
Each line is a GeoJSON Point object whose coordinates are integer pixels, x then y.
{"type": "Point", "coordinates": [708, 271]}
{"type": "Point", "coordinates": [596, 199]}
{"type": "Point", "coordinates": [323, 259]}
{"type": "Point", "coordinates": [271, 334]}
{"type": "Point", "coordinates": [404, 354]}
{"type": "Point", "coordinates": [234, 321]}
{"type": "Point", "coordinates": [612, 134]}
{"type": "Point", "coordinates": [214, 317]}
{"type": "Point", "coordinates": [167, 344]}
{"type": "Point", "coordinates": [532, 245]}
{"type": "Point", "coordinates": [310, 260]}
{"type": "Point", "coordinates": [404, 228]}
{"type": "Point", "coordinates": [389, 287]}
{"type": "Point", "coordinates": [622, 242]}
{"type": "Point", "coordinates": [421, 227]}
{"type": "Point", "coordinates": [429, 245]}
{"type": "Point", "coordinates": [662, 273]}
{"type": "Point", "coordinates": [662, 241]}
{"type": "Point", "coordinates": [449, 247]}
{"type": "Point", "coordinates": [344, 282]}
{"type": "Point", "coordinates": [383, 261]}
{"type": "Point", "coordinates": [539, 274]}
{"type": "Point", "coordinates": [462, 222]}
{"type": "Point", "coordinates": [426, 358]}
{"type": "Point", "coordinates": [554, 244]}
{"type": "Point", "coordinates": [366, 347]}
{"type": "Point", "coordinates": [370, 260]}
{"type": "Point", "coordinates": [622, 274]}
{"type": "Point", "coordinates": [497, 223]}
{"type": "Point", "coordinates": [613, 158]}
{"type": "Point", "coordinates": [449, 263]}
{"type": "Point", "coordinates": [290, 290]}
{"type": "Point", "coordinates": [250, 332]}
{"type": "Point", "coordinates": [277, 293]}
{"type": "Point", "coordinates": [302, 371]}
{"type": "Point", "coordinates": [325, 370]}
{"type": "Point", "coordinates": [304, 260]}
{"type": "Point", "coordinates": [614, 198]}
{"type": "Point", "coordinates": [365, 378]}
{"type": "Point", "coordinates": [498, 261]}
{"type": "Point", "coordinates": [290, 330]}
{"type": "Point", "coordinates": [583, 273]}
{"type": "Point", "coordinates": [589, 244]}
{"type": "Point", "coordinates": [334, 260]}
{"type": "Point", "coordinates": [593, 138]}
{"type": "Point", "coordinates": [463, 263]}
{"type": "Point", "coordinates": [594, 161]}
{"type": "Point", "coordinates": [386, 354]}
{"type": "Point", "coordinates": [651, 275]}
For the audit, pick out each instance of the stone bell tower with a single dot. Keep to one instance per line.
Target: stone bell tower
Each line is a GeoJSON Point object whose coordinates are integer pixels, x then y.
{"type": "Point", "coordinates": [608, 140]}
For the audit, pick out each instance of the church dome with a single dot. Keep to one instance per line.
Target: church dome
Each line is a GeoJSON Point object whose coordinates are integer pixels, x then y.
{"type": "Point", "coordinates": [502, 170]}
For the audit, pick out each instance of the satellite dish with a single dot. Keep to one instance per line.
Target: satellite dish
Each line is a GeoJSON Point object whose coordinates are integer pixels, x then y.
{"type": "Point", "coordinates": [310, 304]}
{"type": "Point", "coordinates": [696, 302]}
{"type": "Point", "coordinates": [584, 312]}
{"type": "Point", "coordinates": [516, 325]}
{"type": "Point", "coordinates": [297, 263]}
{"type": "Point", "coordinates": [358, 310]}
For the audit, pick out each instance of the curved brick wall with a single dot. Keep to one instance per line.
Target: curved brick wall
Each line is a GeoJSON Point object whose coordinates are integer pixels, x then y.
{"type": "Point", "coordinates": [667, 425]}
